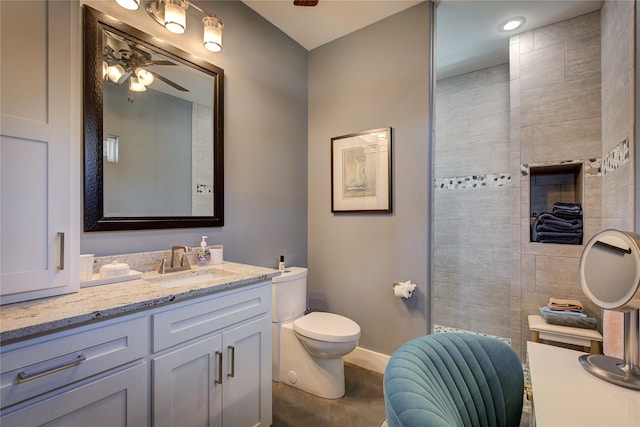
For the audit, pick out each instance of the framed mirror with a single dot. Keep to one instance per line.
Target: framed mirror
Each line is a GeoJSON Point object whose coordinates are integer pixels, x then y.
{"type": "Point", "coordinates": [153, 132]}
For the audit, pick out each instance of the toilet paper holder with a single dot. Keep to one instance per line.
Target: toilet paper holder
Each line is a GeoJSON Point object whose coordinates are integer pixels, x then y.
{"type": "Point", "coordinates": [403, 289]}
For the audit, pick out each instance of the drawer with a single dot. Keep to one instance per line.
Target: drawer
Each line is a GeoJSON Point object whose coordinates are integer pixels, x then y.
{"type": "Point", "coordinates": [39, 365]}
{"type": "Point", "coordinates": [192, 320]}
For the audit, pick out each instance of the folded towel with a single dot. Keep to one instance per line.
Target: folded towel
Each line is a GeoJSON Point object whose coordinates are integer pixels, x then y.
{"type": "Point", "coordinates": [554, 228]}
{"type": "Point", "coordinates": [567, 215]}
{"type": "Point", "coordinates": [567, 207]}
{"type": "Point", "coordinates": [559, 235]}
{"type": "Point", "coordinates": [565, 304]}
{"type": "Point", "coordinates": [552, 219]}
{"type": "Point", "coordinates": [550, 310]}
{"type": "Point", "coordinates": [573, 321]}
{"type": "Point", "coordinates": [564, 241]}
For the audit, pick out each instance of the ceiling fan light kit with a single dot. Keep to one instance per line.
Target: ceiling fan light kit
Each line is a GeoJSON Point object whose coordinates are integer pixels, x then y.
{"type": "Point", "coordinates": [172, 14]}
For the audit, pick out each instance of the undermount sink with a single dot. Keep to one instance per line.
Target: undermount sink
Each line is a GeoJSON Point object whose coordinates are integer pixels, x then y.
{"type": "Point", "coordinates": [190, 277]}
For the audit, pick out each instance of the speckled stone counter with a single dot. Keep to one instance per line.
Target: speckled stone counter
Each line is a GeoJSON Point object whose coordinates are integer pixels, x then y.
{"type": "Point", "coordinates": [27, 319]}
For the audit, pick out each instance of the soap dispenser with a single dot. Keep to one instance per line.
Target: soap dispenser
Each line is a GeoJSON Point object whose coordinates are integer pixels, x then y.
{"type": "Point", "coordinates": [203, 256]}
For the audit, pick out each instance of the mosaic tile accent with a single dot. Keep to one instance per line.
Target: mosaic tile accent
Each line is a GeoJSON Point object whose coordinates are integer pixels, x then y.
{"type": "Point", "coordinates": [437, 329]}
{"type": "Point", "coordinates": [204, 189]}
{"type": "Point", "coordinates": [473, 181]}
{"type": "Point", "coordinates": [591, 167]}
{"type": "Point", "coordinates": [617, 157]}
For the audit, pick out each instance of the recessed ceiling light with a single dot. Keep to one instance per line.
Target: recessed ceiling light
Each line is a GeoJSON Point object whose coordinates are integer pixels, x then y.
{"type": "Point", "coordinates": [511, 24]}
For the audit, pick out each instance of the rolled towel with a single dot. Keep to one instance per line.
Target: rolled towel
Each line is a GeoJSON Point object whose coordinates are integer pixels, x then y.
{"type": "Point", "coordinates": [573, 321]}
{"type": "Point", "coordinates": [565, 304]}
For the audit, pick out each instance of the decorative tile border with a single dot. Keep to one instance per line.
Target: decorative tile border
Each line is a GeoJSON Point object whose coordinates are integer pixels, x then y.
{"type": "Point", "coordinates": [616, 157]}
{"type": "Point", "coordinates": [204, 189]}
{"type": "Point", "coordinates": [592, 167]}
{"type": "Point", "coordinates": [473, 181]}
{"type": "Point", "coordinates": [439, 329]}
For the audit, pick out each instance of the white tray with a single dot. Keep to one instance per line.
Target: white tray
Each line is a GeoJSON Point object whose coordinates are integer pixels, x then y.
{"type": "Point", "coordinates": [96, 280]}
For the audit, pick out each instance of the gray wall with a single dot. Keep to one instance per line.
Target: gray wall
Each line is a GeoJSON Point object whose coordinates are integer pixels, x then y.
{"type": "Point", "coordinates": [375, 77]}
{"type": "Point", "coordinates": [265, 113]}
{"type": "Point", "coordinates": [153, 172]}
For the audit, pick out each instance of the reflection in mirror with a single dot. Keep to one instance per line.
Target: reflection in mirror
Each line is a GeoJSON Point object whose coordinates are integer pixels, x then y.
{"type": "Point", "coordinates": [153, 132]}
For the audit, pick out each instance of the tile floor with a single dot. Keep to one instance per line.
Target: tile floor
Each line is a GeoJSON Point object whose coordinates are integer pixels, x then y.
{"type": "Point", "coordinates": [362, 405]}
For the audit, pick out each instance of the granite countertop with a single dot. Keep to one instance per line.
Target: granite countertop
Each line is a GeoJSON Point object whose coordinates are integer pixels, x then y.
{"type": "Point", "coordinates": [26, 319]}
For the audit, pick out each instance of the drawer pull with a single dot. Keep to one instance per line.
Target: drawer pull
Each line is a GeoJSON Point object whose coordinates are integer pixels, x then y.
{"type": "Point", "coordinates": [232, 349]}
{"type": "Point", "coordinates": [218, 379]}
{"type": "Point", "coordinates": [23, 376]}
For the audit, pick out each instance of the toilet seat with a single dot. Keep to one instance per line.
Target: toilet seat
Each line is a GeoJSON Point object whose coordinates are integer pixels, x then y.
{"type": "Point", "coordinates": [328, 327]}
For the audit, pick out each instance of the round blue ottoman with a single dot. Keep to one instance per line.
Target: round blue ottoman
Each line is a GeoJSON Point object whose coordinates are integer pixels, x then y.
{"type": "Point", "coordinates": [454, 379]}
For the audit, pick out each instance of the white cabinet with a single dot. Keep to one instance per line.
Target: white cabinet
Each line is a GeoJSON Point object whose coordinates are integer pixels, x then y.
{"type": "Point", "coordinates": [94, 372]}
{"type": "Point", "coordinates": [247, 383]}
{"type": "Point", "coordinates": [119, 399]}
{"type": "Point", "coordinates": [222, 378]}
{"type": "Point", "coordinates": [39, 149]}
{"type": "Point", "coordinates": [202, 362]}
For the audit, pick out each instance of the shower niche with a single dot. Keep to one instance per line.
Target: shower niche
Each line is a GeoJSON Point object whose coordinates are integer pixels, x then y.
{"type": "Point", "coordinates": [555, 205]}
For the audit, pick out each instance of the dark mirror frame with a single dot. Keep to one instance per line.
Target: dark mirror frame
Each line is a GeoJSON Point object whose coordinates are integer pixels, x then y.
{"type": "Point", "coordinates": [94, 220]}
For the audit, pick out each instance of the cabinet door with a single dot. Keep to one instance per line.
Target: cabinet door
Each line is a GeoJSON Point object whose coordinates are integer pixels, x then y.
{"type": "Point", "coordinates": [247, 387]}
{"type": "Point", "coordinates": [39, 149]}
{"type": "Point", "coordinates": [187, 385]}
{"type": "Point", "coordinates": [116, 400]}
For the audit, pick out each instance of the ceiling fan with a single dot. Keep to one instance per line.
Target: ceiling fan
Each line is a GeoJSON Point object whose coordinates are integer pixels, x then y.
{"type": "Point", "coordinates": [129, 62]}
{"type": "Point", "coordinates": [305, 2]}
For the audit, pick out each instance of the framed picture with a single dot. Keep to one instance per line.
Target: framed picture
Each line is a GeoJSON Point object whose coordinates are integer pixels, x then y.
{"type": "Point", "coordinates": [361, 171]}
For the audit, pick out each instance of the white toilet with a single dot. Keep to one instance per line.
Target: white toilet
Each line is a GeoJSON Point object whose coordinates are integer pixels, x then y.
{"type": "Point", "coordinates": [308, 349]}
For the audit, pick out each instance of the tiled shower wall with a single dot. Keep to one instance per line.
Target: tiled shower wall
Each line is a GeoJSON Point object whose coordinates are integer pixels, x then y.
{"type": "Point", "coordinates": [618, 144]}
{"type": "Point", "coordinates": [472, 225]}
{"type": "Point", "coordinates": [488, 276]}
{"type": "Point", "coordinates": [555, 118]}
{"type": "Point", "coordinates": [201, 160]}
{"type": "Point", "coordinates": [618, 70]}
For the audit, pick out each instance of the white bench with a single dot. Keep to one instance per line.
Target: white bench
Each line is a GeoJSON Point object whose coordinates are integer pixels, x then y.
{"type": "Point", "coordinates": [588, 338]}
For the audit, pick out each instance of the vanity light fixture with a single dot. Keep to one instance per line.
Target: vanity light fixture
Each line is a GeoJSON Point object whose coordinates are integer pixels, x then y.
{"type": "Point", "coordinates": [172, 14]}
{"type": "Point", "coordinates": [212, 33]}
{"type": "Point", "coordinates": [129, 4]}
{"type": "Point", "coordinates": [175, 15]}
{"type": "Point", "coordinates": [511, 24]}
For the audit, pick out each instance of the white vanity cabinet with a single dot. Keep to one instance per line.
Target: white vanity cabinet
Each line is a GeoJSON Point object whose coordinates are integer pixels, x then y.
{"type": "Point", "coordinates": [200, 362]}
{"type": "Point", "coordinates": [92, 375]}
{"type": "Point", "coordinates": [219, 378]}
{"type": "Point", "coordinates": [39, 149]}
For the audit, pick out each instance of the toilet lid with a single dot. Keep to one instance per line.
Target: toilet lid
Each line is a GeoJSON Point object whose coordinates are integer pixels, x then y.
{"type": "Point", "coordinates": [327, 327]}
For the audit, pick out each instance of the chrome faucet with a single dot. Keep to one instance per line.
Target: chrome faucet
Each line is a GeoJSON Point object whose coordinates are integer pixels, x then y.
{"type": "Point", "coordinates": [174, 265]}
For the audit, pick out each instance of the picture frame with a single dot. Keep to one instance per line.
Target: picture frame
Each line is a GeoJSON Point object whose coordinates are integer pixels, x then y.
{"type": "Point", "coordinates": [361, 171]}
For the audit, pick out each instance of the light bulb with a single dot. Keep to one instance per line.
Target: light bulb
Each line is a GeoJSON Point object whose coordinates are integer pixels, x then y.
{"type": "Point", "coordinates": [212, 33]}
{"type": "Point", "coordinates": [115, 72]}
{"type": "Point", "coordinates": [135, 85]}
{"type": "Point", "coordinates": [129, 4]}
{"type": "Point", "coordinates": [144, 76]}
{"type": "Point", "coordinates": [175, 17]}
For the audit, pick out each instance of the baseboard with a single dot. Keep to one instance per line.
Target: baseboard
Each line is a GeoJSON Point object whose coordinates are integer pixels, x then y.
{"type": "Point", "coordinates": [367, 359]}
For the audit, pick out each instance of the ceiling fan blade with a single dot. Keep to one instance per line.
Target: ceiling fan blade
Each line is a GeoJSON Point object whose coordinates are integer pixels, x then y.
{"type": "Point", "coordinates": [305, 2]}
{"type": "Point", "coordinates": [169, 82]}
{"type": "Point", "coordinates": [161, 62]}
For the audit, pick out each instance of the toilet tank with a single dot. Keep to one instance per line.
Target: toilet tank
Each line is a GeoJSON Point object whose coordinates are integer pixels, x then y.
{"type": "Point", "coordinates": [289, 294]}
